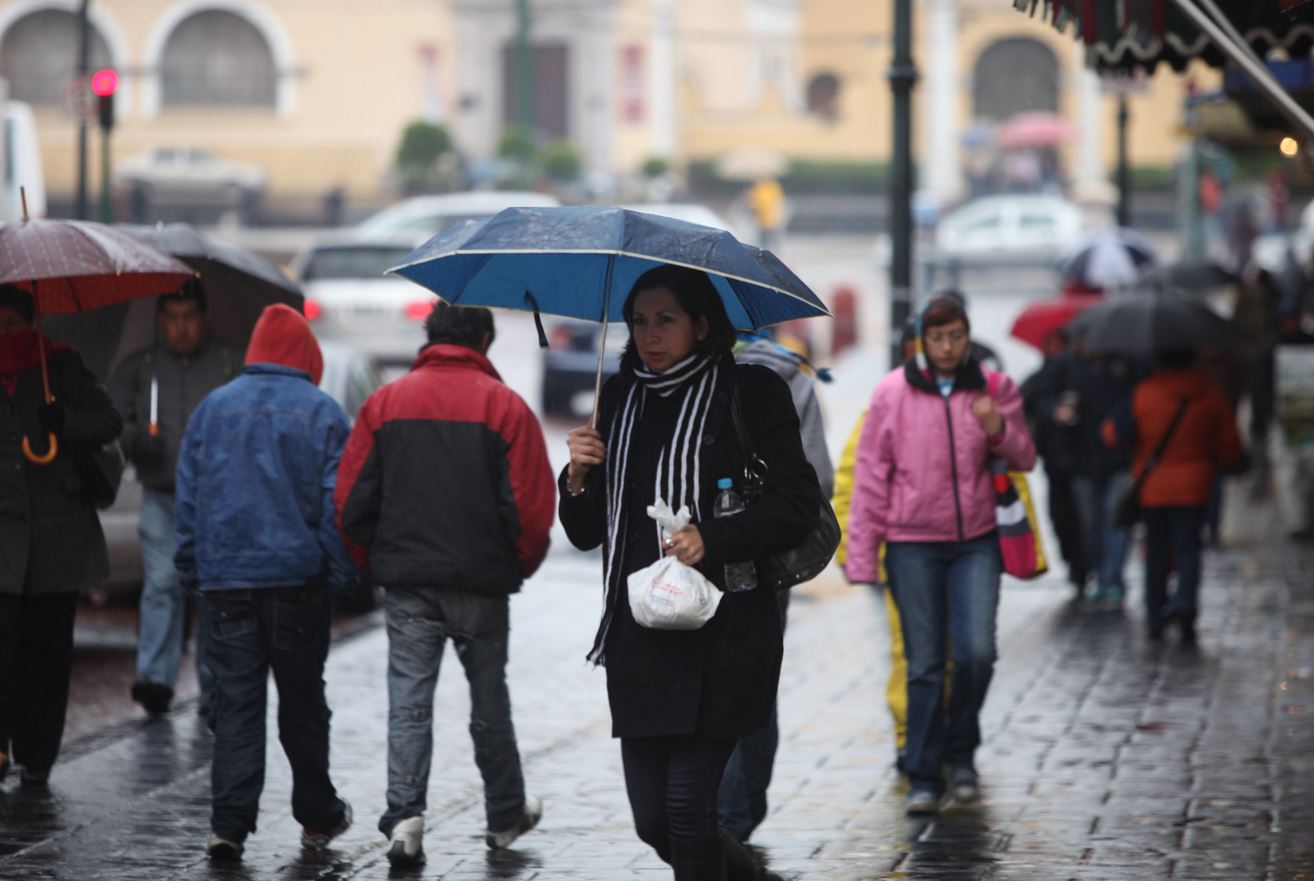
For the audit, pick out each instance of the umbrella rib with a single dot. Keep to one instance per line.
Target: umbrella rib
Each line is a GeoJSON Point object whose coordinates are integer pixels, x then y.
{"type": "Point", "coordinates": [396, 270]}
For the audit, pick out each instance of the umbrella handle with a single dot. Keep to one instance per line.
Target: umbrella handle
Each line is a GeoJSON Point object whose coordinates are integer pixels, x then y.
{"type": "Point", "coordinates": [45, 458]}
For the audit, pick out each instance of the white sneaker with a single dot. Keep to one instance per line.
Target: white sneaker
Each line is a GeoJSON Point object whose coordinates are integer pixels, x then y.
{"type": "Point", "coordinates": [528, 820]}
{"type": "Point", "coordinates": [406, 843]}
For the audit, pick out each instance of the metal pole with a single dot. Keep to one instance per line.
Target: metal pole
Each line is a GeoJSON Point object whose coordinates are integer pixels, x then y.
{"type": "Point", "coordinates": [524, 69]}
{"type": "Point", "coordinates": [1124, 168]}
{"type": "Point", "coordinates": [84, 68]}
{"type": "Point", "coordinates": [106, 197]}
{"type": "Point", "coordinates": [902, 76]}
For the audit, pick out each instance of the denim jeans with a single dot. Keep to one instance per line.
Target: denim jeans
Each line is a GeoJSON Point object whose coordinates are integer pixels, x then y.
{"type": "Point", "coordinates": [163, 600]}
{"type": "Point", "coordinates": [1106, 545]}
{"type": "Point", "coordinates": [1172, 535]}
{"type": "Point", "coordinates": [948, 595]}
{"type": "Point", "coordinates": [286, 630]}
{"type": "Point", "coordinates": [421, 618]}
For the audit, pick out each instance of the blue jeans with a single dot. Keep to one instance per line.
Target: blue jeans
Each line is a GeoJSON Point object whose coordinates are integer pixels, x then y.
{"type": "Point", "coordinates": [1172, 535]}
{"type": "Point", "coordinates": [163, 600]}
{"type": "Point", "coordinates": [286, 630]}
{"type": "Point", "coordinates": [948, 597]}
{"type": "Point", "coordinates": [1106, 545]}
{"type": "Point", "coordinates": [420, 621]}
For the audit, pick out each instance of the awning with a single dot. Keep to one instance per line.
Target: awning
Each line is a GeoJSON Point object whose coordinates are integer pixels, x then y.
{"type": "Point", "coordinates": [1122, 35]}
{"type": "Point", "coordinates": [1129, 34]}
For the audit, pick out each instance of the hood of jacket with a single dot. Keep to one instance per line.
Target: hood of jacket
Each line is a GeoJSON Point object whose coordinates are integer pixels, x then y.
{"type": "Point", "coordinates": [450, 355]}
{"type": "Point", "coordinates": [283, 336]}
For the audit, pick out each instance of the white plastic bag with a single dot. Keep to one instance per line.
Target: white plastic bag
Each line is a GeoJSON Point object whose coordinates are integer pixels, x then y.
{"type": "Point", "coordinates": [669, 595]}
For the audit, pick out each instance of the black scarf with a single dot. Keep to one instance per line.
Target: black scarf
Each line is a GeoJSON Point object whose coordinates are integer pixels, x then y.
{"type": "Point", "coordinates": [678, 476]}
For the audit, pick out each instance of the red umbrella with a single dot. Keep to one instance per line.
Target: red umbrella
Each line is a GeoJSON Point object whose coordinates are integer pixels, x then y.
{"type": "Point", "coordinates": [1043, 317]}
{"type": "Point", "coordinates": [74, 266]}
{"type": "Point", "coordinates": [1035, 129]}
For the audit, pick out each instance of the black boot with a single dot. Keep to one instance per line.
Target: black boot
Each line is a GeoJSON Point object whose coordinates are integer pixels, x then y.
{"type": "Point", "coordinates": [698, 859]}
{"type": "Point", "coordinates": [744, 865]}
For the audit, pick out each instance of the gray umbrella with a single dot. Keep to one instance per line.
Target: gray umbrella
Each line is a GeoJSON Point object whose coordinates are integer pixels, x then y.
{"type": "Point", "coordinates": [238, 285]}
{"type": "Point", "coordinates": [1139, 325]}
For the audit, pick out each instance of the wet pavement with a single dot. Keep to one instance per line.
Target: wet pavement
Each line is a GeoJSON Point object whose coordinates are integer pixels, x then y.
{"type": "Point", "coordinates": [1106, 756]}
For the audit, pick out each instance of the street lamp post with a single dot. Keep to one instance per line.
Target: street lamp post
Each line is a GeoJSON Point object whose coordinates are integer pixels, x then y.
{"type": "Point", "coordinates": [1124, 166]}
{"type": "Point", "coordinates": [524, 69]}
{"type": "Point", "coordinates": [84, 68]}
{"type": "Point", "coordinates": [902, 75]}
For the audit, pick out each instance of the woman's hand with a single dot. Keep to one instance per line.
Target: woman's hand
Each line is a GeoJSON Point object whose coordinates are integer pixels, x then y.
{"type": "Point", "coordinates": [586, 451]}
{"type": "Point", "coordinates": [987, 413]}
{"type": "Point", "coordinates": [686, 546]}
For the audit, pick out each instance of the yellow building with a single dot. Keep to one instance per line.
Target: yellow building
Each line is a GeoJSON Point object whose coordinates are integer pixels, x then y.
{"type": "Point", "coordinates": [316, 92]}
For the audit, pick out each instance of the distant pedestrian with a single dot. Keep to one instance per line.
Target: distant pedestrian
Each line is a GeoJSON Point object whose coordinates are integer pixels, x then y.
{"type": "Point", "coordinates": [1203, 442]}
{"type": "Point", "coordinates": [742, 800]}
{"type": "Point", "coordinates": [155, 390]}
{"type": "Point", "coordinates": [680, 700]}
{"type": "Point", "coordinates": [257, 534]}
{"type": "Point", "coordinates": [924, 487]}
{"type": "Point", "coordinates": [50, 537]}
{"type": "Point", "coordinates": [766, 200]}
{"type": "Point", "coordinates": [447, 492]}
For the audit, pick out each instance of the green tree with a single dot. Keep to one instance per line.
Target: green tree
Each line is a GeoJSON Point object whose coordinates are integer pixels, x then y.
{"type": "Point", "coordinates": [560, 161]}
{"type": "Point", "coordinates": [421, 145]}
{"type": "Point", "coordinates": [517, 144]}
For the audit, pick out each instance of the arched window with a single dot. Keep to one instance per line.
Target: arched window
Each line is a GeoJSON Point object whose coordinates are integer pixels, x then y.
{"type": "Point", "coordinates": [39, 55]}
{"type": "Point", "coordinates": [1015, 75]}
{"type": "Point", "coordinates": [217, 59]}
{"type": "Point", "coordinates": [823, 96]}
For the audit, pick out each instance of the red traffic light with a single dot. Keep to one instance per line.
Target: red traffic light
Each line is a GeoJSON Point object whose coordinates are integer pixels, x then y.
{"type": "Point", "coordinates": [105, 82]}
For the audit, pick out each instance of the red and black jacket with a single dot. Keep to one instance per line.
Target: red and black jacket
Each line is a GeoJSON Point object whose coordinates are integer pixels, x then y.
{"type": "Point", "coordinates": [445, 479]}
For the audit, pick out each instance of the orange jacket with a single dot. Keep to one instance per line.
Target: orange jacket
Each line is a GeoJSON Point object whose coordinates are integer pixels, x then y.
{"type": "Point", "coordinates": [1205, 441]}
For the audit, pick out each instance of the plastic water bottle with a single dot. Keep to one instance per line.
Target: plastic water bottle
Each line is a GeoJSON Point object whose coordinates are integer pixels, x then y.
{"type": "Point", "coordinates": [742, 575]}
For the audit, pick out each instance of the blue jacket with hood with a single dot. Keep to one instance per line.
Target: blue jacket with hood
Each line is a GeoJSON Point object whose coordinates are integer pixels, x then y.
{"type": "Point", "coordinates": [258, 468]}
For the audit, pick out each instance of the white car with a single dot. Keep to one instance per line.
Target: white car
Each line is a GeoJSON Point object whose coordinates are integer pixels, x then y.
{"type": "Point", "coordinates": [690, 212]}
{"type": "Point", "coordinates": [426, 216]}
{"type": "Point", "coordinates": [1010, 226]}
{"type": "Point", "coordinates": [350, 300]}
{"type": "Point", "coordinates": [188, 177]}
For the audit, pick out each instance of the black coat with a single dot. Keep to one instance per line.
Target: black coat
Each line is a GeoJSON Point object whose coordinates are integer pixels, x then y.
{"type": "Point", "coordinates": [718, 681]}
{"type": "Point", "coordinates": [50, 536]}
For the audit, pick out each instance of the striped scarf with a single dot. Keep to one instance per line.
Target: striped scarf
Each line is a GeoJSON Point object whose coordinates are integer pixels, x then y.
{"type": "Point", "coordinates": [678, 475]}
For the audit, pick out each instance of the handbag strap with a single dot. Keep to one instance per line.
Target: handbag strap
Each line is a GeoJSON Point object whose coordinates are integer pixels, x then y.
{"type": "Point", "coordinates": [1162, 445]}
{"type": "Point", "coordinates": [752, 477]}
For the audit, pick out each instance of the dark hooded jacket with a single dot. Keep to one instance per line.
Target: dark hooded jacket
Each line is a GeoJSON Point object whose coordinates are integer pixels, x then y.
{"type": "Point", "coordinates": [50, 536]}
{"type": "Point", "coordinates": [258, 467]}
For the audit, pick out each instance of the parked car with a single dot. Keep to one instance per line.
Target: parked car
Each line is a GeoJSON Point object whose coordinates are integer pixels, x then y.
{"type": "Point", "coordinates": [1018, 225]}
{"type": "Point", "coordinates": [570, 363]}
{"type": "Point", "coordinates": [176, 177]}
{"type": "Point", "coordinates": [349, 298]}
{"type": "Point", "coordinates": [426, 216]}
{"type": "Point", "coordinates": [348, 377]}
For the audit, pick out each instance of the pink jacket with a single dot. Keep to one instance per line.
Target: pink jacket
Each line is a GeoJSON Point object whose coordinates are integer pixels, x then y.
{"type": "Point", "coordinates": [923, 465]}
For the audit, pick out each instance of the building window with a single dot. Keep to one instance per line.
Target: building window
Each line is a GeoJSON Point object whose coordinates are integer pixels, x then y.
{"type": "Point", "coordinates": [1012, 76]}
{"type": "Point", "coordinates": [217, 59]}
{"type": "Point", "coordinates": [39, 55]}
{"type": "Point", "coordinates": [823, 96]}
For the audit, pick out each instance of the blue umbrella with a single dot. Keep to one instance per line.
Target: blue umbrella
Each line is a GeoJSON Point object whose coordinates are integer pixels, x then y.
{"type": "Point", "coordinates": [580, 262]}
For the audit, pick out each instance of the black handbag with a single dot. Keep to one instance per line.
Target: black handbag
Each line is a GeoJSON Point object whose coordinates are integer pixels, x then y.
{"type": "Point", "coordinates": [781, 570]}
{"type": "Point", "coordinates": [101, 472]}
{"type": "Point", "coordinates": [1127, 508]}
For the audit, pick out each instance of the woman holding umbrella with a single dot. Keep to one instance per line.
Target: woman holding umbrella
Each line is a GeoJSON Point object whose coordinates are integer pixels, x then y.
{"type": "Point", "coordinates": [681, 699]}
{"type": "Point", "coordinates": [51, 542]}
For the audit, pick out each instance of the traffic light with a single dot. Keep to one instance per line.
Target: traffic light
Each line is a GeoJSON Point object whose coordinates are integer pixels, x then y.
{"type": "Point", "coordinates": [104, 83]}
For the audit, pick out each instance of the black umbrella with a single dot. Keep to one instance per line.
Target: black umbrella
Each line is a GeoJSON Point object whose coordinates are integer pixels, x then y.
{"type": "Point", "coordinates": [1193, 278]}
{"type": "Point", "coordinates": [1144, 325]}
{"type": "Point", "coordinates": [238, 286]}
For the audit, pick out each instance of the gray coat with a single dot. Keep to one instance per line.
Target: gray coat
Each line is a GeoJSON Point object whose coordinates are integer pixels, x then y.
{"type": "Point", "coordinates": [50, 536]}
{"type": "Point", "coordinates": [803, 389]}
{"type": "Point", "coordinates": [183, 381]}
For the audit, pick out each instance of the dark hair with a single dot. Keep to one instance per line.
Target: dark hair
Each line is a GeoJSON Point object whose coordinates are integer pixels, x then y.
{"type": "Point", "coordinates": [190, 292]}
{"type": "Point", "coordinates": [19, 300]}
{"type": "Point", "coordinates": [1174, 359]}
{"type": "Point", "coordinates": [459, 325]}
{"type": "Point", "coordinates": [696, 295]}
{"type": "Point", "coordinates": [944, 310]}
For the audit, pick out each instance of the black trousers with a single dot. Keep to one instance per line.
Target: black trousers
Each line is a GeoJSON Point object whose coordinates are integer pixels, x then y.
{"type": "Point", "coordinates": [36, 655]}
{"type": "Point", "coordinates": [672, 784]}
